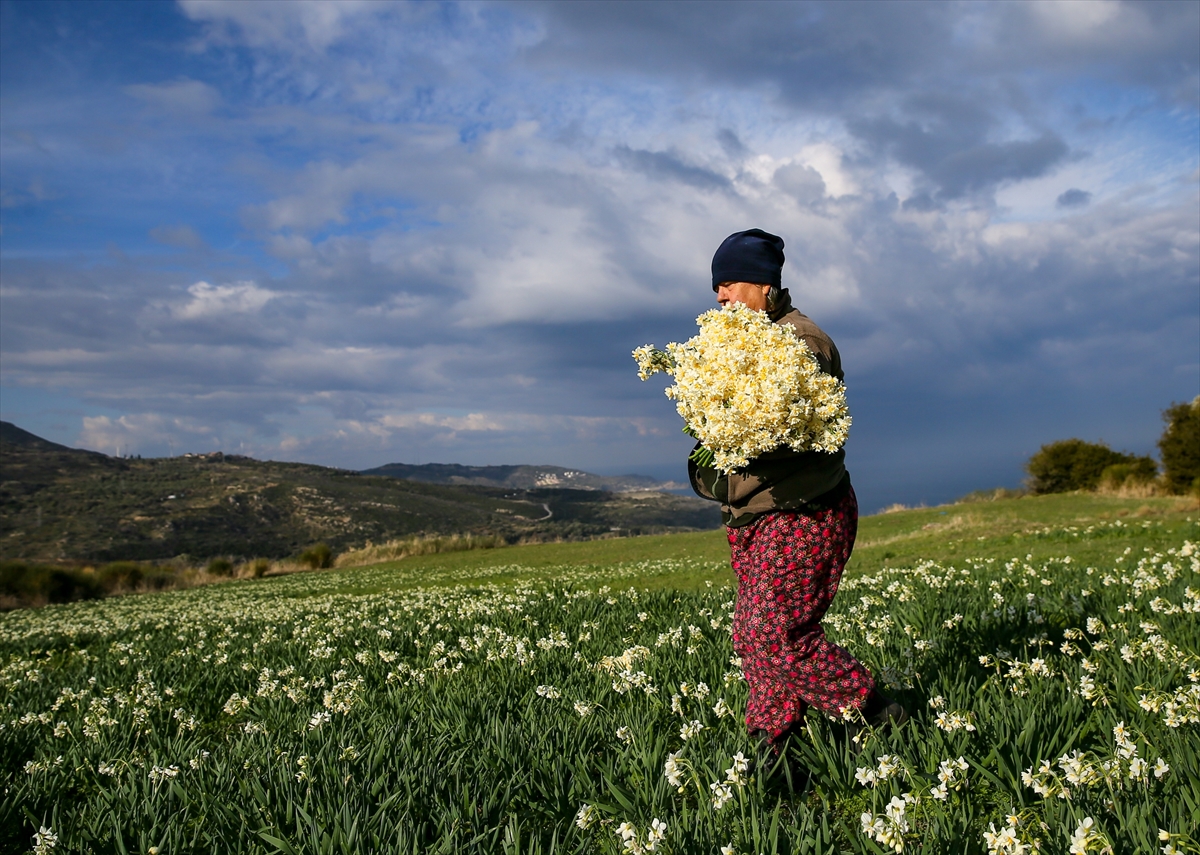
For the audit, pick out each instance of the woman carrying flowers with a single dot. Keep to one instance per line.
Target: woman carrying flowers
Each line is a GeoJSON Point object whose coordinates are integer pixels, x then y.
{"type": "Point", "coordinates": [791, 517]}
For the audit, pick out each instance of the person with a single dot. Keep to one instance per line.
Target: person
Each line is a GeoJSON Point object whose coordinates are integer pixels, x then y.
{"type": "Point", "coordinates": [791, 518]}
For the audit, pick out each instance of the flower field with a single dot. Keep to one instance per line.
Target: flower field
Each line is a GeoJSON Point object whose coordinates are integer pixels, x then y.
{"type": "Point", "coordinates": [583, 708]}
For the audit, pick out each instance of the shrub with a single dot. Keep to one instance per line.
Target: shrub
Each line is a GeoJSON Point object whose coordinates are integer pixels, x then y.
{"type": "Point", "coordinates": [23, 584]}
{"type": "Point", "coordinates": [220, 567]}
{"type": "Point", "coordinates": [120, 575]}
{"type": "Point", "coordinates": [1141, 472]}
{"type": "Point", "coordinates": [158, 579]}
{"type": "Point", "coordinates": [1179, 446]}
{"type": "Point", "coordinates": [1071, 464]}
{"type": "Point", "coordinates": [258, 567]}
{"type": "Point", "coordinates": [317, 557]}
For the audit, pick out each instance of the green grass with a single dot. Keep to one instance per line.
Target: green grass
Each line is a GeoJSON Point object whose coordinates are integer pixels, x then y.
{"type": "Point", "coordinates": [430, 705]}
{"type": "Point", "coordinates": [980, 529]}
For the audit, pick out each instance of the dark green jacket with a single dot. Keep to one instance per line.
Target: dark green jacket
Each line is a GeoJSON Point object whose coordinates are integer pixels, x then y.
{"type": "Point", "coordinates": [781, 480]}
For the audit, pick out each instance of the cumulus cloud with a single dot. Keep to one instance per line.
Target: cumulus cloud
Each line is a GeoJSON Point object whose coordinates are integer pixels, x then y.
{"type": "Point", "coordinates": [130, 433]}
{"type": "Point", "coordinates": [222, 301]}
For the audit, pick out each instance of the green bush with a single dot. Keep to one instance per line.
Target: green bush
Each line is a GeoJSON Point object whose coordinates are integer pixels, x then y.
{"type": "Point", "coordinates": [220, 567]}
{"type": "Point", "coordinates": [258, 567]}
{"type": "Point", "coordinates": [23, 584]}
{"type": "Point", "coordinates": [318, 557]}
{"type": "Point", "coordinates": [158, 579]}
{"type": "Point", "coordinates": [131, 576]}
{"type": "Point", "coordinates": [1141, 471]}
{"type": "Point", "coordinates": [1072, 464]}
{"type": "Point", "coordinates": [120, 575]}
{"type": "Point", "coordinates": [1179, 446]}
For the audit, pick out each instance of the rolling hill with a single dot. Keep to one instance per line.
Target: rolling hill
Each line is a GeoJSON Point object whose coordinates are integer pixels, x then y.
{"type": "Point", "coordinates": [65, 504]}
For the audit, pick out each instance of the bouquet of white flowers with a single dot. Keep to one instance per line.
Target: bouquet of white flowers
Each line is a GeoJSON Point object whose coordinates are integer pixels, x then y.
{"type": "Point", "coordinates": [745, 386]}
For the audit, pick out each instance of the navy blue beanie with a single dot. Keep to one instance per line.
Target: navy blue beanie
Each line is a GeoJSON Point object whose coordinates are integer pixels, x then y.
{"type": "Point", "coordinates": [750, 256]}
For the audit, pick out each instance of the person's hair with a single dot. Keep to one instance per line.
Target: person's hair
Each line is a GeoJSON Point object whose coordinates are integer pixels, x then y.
{"type": "Point", "coordinates": [772, 298]}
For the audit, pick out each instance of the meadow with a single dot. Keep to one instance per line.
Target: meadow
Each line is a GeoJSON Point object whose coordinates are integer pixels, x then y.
{"type": "Point", "coordinates": [583, 697]}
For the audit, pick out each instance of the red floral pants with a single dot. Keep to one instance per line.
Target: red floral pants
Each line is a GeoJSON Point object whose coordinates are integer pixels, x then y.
{"type": "Point", "coordinates": [789, 565]}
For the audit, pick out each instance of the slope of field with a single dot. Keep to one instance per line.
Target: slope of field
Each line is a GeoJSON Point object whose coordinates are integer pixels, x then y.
{"type": "Point", "coordinates": [60, 504]}
{"type": "Point", "coordinates": [581, 698]}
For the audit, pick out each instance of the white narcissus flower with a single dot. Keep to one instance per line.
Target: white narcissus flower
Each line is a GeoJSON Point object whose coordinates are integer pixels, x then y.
{"type": "Point", "coordinates": [745, 385]}
{"type": "Point", "coordinates": [721, 794]}
{"type": "Point", "coordinates": [692, 728]}
{"type": "Point", "coordinates": [673, 770]}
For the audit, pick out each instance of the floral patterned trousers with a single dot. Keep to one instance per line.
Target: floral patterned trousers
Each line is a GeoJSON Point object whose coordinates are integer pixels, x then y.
{"type": "Point", "coordinates": [789, 565]}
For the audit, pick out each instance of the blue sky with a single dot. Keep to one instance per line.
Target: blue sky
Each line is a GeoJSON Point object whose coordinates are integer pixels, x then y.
{"type": "Point", "coordinates": [352, 233]}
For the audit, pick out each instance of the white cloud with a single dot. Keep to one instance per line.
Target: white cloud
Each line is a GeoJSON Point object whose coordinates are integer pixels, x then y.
{"type": "Point", "coordinates": [130, 434]}
{"type": "Point", "coordinates": [1093, 21]}
{"type": "Point", "coordinates": [316, 24]}
{"type": "Point", "coordinates": [217, 301]}
{"type": "Point", "coordinates": [182, 96]}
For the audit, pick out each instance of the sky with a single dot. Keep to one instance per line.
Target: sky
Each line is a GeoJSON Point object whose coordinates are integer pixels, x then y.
{"type": "Point", "coordinates": [354, 233]}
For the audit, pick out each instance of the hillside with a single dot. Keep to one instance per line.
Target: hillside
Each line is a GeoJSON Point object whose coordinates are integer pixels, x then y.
{"type": "Point", "coordinates": [1088, 525]}
{"type": "Point", "coordinates": [520, 477]}
{"type": "Point", "coordinates": [63, 504]}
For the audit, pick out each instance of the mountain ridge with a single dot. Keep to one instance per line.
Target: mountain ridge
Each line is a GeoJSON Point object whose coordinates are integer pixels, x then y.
{"type": "Point", "coordinates": [520, 476]}
{"type": "Point", "coordinates": [64, 504]}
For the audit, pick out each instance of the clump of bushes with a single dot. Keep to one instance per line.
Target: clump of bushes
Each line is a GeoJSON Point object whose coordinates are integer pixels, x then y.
{"type": "Point", "coordinates": [24, 583]}
{"type": "Point", "coordinates": [1136, 478]}
{"type": "Point", "coordinates": [258, 567]}
{"type": "Point", "coordinates": [131, 576]}
{"type": "Point", "coordinates": [220, 567]}
{"type": "Point", "coordinates": [1072, 464]}
{"type": "Point", "coordinates": [318, 557]}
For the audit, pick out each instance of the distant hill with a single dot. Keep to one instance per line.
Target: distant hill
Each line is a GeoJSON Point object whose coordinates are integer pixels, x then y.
{"type": "Point", "coordinates": [60, 503]}
{"type": "Point", "coordinates": [14, 436]}
{"type": "Point", "coordinates": [520, 477]}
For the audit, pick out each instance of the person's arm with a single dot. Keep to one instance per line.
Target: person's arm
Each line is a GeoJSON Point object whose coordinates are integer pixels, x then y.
{"type": "Point", "coordinates": [826, 354]}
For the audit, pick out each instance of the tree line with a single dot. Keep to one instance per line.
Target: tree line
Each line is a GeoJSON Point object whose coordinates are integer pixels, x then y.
{"type": "Point", "coordinates": [1073, 464]}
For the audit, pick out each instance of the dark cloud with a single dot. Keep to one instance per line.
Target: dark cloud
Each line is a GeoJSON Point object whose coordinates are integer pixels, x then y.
{"type": "Point", "coordinates": [1073, 198]}
{"type": "Point", "coordinates": [950, 75]}
{"type": "Point", "coordinates": [814, 53]}
{"type": "Point", "coordinates": [801, 182]}
{"type": "Point", "coordinates": [733, 146]}
{"type": "Point", "coordinates": [660, 164]}
{"type": "Point", "coordinates": [951, 150]}
{"type": "Point", "coordinates": [818, 54]}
